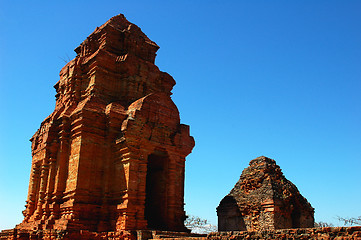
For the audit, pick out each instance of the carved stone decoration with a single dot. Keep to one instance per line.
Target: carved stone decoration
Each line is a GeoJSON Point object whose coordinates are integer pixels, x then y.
{"type": "Point", "coordinates": [263, 199]}
{"type": "Point", "coordinates": [111, 157]}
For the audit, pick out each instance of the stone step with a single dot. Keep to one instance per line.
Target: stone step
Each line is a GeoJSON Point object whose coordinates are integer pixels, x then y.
{"type": "Point", "coordinates": [149, 234]}
{"type": "Point", "coordinates": [179, 238]}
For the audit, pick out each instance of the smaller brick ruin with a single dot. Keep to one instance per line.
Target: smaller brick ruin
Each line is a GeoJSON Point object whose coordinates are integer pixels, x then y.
{"type": "Point", "coordinates": [263, 199]}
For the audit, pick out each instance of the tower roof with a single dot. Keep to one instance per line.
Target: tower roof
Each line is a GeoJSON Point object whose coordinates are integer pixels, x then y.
{"type": "Point", "coordinates": [115, 63]}
{"type": "Point", "coordinates": [263, 180]}
{"type": "Point", "coordinates": [119, 36]}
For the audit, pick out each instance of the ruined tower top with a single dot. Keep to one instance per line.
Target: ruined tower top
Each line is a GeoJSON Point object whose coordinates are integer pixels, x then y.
{"type": "Point", "coordinates": [263, 176]}
{"type": "Point", "coordinates": [114, 64]}
{"type": "Point", "coordinates": [119, 36]}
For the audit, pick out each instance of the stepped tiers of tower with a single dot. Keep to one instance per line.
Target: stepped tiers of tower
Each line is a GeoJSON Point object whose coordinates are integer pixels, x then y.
{"type": "Point", "coordinates": [111, 157]}
{"type": "Point", "coordinates": [263, 199]}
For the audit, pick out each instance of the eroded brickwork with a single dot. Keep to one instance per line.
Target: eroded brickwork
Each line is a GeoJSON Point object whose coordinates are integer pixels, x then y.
{"type": "Point", "coordinates": [111, 156]}
{"type": "Point", "coordinates": [327, 233]}
{"type": "Point", "coordinates": [264, 199]}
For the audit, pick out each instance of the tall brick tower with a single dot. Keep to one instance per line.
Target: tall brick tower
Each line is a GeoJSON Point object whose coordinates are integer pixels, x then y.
{"type": "Point", "coordinates": [111, 156]}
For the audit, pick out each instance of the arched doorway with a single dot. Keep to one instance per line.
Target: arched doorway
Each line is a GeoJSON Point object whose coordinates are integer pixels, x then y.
{"type": "Point", "coordinates": [229, 216]}
{"type": "Point", "coordinates": [156, 191]}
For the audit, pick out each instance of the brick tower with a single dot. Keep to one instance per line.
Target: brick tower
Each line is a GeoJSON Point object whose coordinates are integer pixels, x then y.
{"type": "Point", "coordinates": [111, 156]}
{"type": "Point", "coordinates": [263, 199]}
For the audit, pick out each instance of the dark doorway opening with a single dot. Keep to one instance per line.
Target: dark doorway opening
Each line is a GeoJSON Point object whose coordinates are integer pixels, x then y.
{"type": "Point", "coordinates": [295, 217]}
{"type": "Point", "coordinates": [229, 216]}
{"type": "Point", "coordinates": [156, 191]}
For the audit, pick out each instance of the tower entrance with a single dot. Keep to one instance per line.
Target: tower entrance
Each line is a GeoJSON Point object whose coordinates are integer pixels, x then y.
{"type": "Point", "coordinates": [156, 191]}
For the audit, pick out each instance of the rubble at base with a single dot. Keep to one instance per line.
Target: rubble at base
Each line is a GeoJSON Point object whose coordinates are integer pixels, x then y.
{"type": "Point", "coordinates": [300, 233]}
{"type": "Point", "coordinates": [326, 233]}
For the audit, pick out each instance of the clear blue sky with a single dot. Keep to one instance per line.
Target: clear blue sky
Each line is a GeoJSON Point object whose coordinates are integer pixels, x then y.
{"type": "Point", "coordinates": [273, 78]}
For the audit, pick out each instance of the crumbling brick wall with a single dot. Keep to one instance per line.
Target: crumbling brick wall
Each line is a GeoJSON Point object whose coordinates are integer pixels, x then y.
{"type": "Point", "coordinates": [264, 199]}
